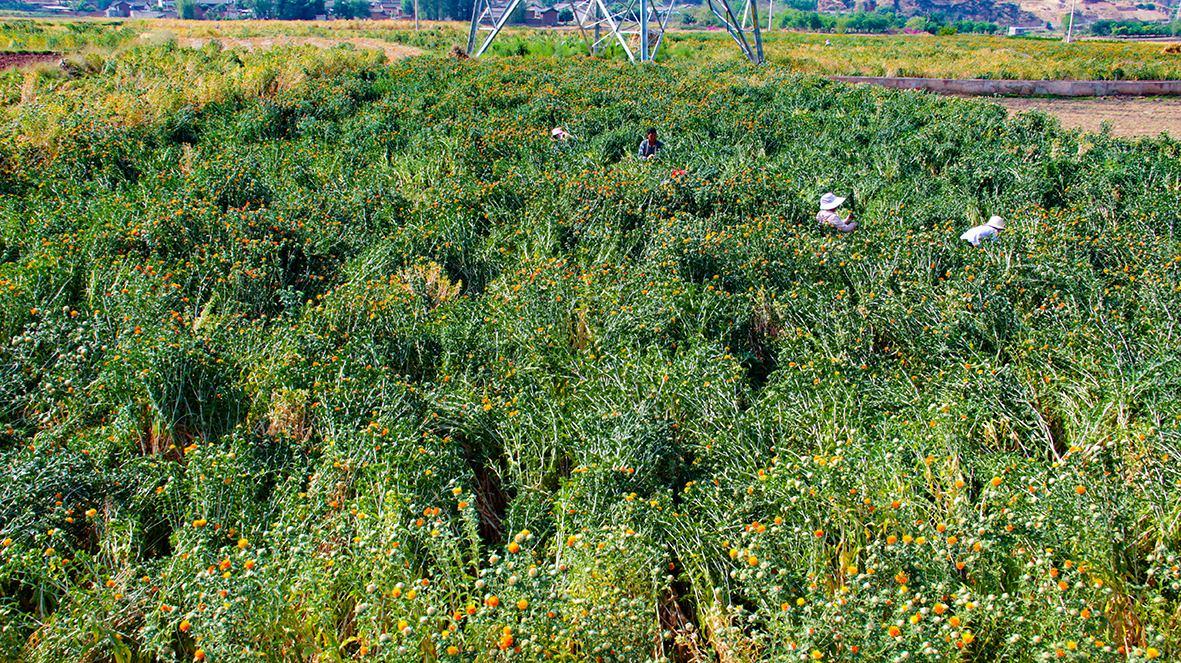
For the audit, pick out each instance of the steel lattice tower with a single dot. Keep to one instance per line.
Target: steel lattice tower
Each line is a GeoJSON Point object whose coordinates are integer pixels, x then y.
{"type": "Point", "coordinates": [635, 25]}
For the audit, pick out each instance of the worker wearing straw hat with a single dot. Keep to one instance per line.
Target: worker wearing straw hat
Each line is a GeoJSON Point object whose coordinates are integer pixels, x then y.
{"type": "Point", "coordinates": [977, 234]}
{"type": "Point", "coordinates": [650, 145]}
{"type": "Point", "coordinates": [828, 215]}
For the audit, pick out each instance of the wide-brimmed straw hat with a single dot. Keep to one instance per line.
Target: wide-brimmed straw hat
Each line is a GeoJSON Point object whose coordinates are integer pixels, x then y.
{"type": "Point", "coordinates": [830, 201]}
{"type": "Point", "coordinates": [996, 222]}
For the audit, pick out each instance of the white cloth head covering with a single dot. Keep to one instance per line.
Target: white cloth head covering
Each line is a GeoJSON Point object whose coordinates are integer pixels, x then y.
{"type": "Point", "coordinates": [830, 201]}
{"type": "Point", "coordinates": [996, 222]}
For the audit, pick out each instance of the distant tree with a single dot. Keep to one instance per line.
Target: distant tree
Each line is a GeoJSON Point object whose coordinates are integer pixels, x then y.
{"type": "Point", "coordinates": [351, 8]}
{"type": "Point", "coordinates": [186, 9]}
{"type": "Point", "coordinates": [286, 9]}
{"type": "Point", "coordinates": [977, 27]}
{"type": "Point", "coordinates": [261, 8]}
{"type": "Point", "coordinates": [872, 22]}
{"type": "Point", "coordinates": [459, 10]}
{"type": "Point", "coordinates": [303, 10]}
{"type": "Point", "coordinates": [917, 23]}
{"type": "Point", "coordinates": [879, 22]}
{"type": "Point", "coordinates": [565, 16]}
{"type": "Point", "coordinates": [792, 19]}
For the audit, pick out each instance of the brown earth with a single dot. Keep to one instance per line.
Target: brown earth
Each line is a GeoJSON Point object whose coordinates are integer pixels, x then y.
{"type": "Point", "coordinates": [392, 51]}
{"type": "Point", "coordinates": [1129, 117]}
{"type": "Point", "coordinates": [10, 60]}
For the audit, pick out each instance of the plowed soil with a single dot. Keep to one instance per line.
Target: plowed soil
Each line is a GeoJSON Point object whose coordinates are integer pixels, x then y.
{"type": "Point", "coordinates": [10, 60]}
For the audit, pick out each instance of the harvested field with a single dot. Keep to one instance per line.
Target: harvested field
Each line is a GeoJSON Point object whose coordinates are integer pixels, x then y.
{"type": "Point", "coordinates": [1129, 117]}
{"type": "Point", "coordinates": [10, 60]}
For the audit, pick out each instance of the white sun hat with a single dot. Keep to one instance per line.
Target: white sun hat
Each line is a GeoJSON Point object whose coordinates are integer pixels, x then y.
{"type": "Point", "coordinates": [557, 132]}
{"type": "Point", "coordinates": [996, 222]}
{"type": "Point", "coordinates": [830, 201]}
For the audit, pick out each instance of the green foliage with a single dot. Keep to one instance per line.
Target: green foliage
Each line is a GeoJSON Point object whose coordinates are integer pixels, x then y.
{"type": "Point", "coordinates": [1131, 27]}
{"type": "Point", "coordinates": [301, 10]}
{"type": "Point", "coordinates": [351, 8]}
{"type": "Point", "coordinates": [878, 22]}
{"type": "Point", "coordinates": [29, 35]}
{"type": "Point", "coordinates": [305, 356]}
{"type": "Point", "coordinates": [186, 9]}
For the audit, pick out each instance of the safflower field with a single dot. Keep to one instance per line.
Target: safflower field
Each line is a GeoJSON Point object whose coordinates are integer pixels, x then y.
{"type": "Point", "coordinates": [85, 43]}
{"type": "Point", "coordinates": [308, 356]}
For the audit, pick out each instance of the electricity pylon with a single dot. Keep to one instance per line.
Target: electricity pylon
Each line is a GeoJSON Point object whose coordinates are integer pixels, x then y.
{"type": "Point", "coordinates": [746, 14]}
{"type": "Point", "coordinates": [636, 25]}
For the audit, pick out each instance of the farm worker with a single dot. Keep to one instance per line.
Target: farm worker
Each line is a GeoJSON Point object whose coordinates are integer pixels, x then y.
{"type": "Point", "coordinates": [977, 234]}
{"type": "Point", "coordinates": [560, 135]}
{"type": "Point", "coordinates": [828, 215]}
{"type": "Point", "coordinates": [650, 145]}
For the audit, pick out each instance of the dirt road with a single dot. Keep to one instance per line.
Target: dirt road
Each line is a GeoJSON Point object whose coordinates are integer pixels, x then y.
{"type": "Point", "coordinates": [1129, 117]}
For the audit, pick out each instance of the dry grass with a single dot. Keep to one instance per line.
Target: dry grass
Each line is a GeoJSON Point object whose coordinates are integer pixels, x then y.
{"type": "Point", "coordinates": [971, 56]}
{"type": "Point", "coordinates": [1126, 117]}
{"type": "Point", "coordinates": [391, 51]}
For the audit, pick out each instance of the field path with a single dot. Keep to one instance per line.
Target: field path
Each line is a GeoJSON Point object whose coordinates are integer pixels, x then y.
{"type": "Point", "coordinates": [392, 51]}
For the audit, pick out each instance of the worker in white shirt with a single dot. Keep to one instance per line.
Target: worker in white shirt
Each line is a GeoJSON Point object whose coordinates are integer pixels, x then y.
{"type": "Point", "coordinates": [977, 234]}
{"type": "Point", "coordinates": [828, 215]}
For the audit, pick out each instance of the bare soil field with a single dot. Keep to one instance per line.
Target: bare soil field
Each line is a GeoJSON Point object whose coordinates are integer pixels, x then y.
{"type": "Point", "coordinates": [1129, 117]}
{"type": "Point", "coordinates": [10, 60]}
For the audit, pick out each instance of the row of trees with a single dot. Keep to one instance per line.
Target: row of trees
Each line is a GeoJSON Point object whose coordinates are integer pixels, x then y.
{"type": "Point", "coordinates": [1113, 28]}
{"type": "Point", "coordinates": [878, 22]}
{"type": "Point", "coordinates": [288, 9]}
{"type": "Point", "coordinates": [799, 15]}
{"type": "Point", "coordinates": [456, 10]}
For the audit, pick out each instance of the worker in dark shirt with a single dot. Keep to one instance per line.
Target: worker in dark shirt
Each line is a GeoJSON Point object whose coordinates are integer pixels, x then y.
{"type": "Point", "coordinates": [650, 145]}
